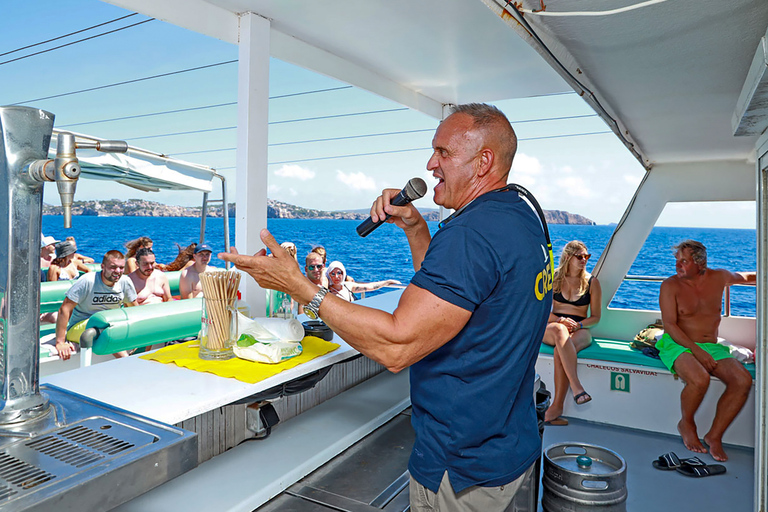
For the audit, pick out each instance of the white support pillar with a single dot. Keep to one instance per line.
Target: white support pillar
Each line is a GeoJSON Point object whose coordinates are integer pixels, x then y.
{"type": "Point", "coordinates": [761, 379]}
{"type": "Point", "coordinates": [252, 135]}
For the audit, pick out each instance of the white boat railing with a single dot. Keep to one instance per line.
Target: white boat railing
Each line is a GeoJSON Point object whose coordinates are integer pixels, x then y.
{"type": "Point", "coordinates": [654, 279]}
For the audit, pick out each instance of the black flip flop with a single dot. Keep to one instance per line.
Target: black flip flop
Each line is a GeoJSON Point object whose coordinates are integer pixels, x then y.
{"type": "Point", "coordinates": [670, 461]}
{"type": "Point", "coordinates": [667, 462]}
{"type": "Point", "coordinates": [696, 471]}
{"type": "Point", "coordinates": [582, 394]}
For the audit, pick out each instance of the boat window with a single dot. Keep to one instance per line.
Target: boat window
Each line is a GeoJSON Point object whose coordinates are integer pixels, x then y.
{"type": "Point", "coordinates": [727, 229]}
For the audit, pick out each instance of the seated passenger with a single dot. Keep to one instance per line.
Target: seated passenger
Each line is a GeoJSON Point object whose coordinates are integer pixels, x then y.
{"type": "Point", "coordinates": [320, 251]}
{"type": "Point", "coordinates": [189, 281]}
{"type": "Point", "coordinates": [64, 267]}
{"type": "Point", "coordinates": [315, 268]}
{"type": "Point", "coordinates": [291, 248]}
{"type": "Point", "coordinates": [151, 284]}
{"type": "Point", "coordinates": [47, 251]}
{"type": "Point", "coordinates": [93, 292]}
{"type": "Point", "coordinates": [691, 303]}
{"type": "Point", "coordinates": [575, 307]}
{"type": "Point", "coordinates": [133, 246]}
{"type": "Point", "coordinates": [337, 277]}
{"type": "Point", "coordinates": [80, 259]}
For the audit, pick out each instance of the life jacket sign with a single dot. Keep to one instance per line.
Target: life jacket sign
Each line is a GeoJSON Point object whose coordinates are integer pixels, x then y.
{"type": "Point", "coordinates": [620, 381]}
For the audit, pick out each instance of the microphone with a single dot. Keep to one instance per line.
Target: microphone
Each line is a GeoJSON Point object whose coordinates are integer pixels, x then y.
{"type": "Point", "coordinates": [414, 189]}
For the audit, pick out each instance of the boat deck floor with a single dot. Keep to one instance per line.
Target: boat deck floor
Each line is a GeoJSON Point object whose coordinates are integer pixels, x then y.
{"type": "Point", "coordinates": [372, 474]}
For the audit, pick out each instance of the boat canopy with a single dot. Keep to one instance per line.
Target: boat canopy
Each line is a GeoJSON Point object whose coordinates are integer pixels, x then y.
{"type": "Point", "coordinates": [664, 75]}
{"type": "Point", "coordinates": [151, 172]}
{"type": "Point", "coordinates": [141, 169]}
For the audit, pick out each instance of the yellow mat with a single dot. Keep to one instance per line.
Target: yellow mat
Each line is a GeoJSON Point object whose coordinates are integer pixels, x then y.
{"type": "Point", "coordinates": [185, 355]}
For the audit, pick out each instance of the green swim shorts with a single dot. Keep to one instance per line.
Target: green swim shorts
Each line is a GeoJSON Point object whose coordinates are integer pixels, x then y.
{"type": "Point", "coordinates": [670, 350]}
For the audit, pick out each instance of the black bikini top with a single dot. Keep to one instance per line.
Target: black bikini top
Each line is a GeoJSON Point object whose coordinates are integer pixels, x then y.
{"type": "Point", "coordinates": [584, 300]}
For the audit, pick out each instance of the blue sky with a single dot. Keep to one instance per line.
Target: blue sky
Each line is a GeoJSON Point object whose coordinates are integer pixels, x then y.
{"type": "Point", "coordinates": [588, 172]}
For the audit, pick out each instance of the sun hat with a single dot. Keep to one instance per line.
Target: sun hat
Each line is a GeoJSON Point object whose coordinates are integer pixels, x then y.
{"type": "Point", "coordinates": [64, 249]}
{"type": "Point", "coordinates": [45, 241]}
{"type": "Point", "coordinates": [203, 247]}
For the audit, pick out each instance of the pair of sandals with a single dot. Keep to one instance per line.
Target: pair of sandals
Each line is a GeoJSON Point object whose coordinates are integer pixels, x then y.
{"type": "Point", "coordinates": [693, 467]}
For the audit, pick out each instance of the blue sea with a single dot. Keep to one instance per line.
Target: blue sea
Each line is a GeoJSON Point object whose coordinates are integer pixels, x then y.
{"type": "Point", "coordinates": [385, 254]}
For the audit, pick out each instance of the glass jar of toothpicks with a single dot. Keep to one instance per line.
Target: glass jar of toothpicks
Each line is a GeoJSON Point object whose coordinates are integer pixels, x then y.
{"type": "Point", "coordinates": [218, 334]}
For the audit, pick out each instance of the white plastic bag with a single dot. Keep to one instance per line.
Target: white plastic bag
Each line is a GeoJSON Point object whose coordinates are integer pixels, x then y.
{"type": "Point", "coordinates": [268, 340]}
{"type": "Point", "coordinates": [738, 352]}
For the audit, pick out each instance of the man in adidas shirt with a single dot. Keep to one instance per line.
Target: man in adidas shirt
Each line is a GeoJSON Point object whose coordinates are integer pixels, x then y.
{"type": "Point", "coordinates": [93, 292]}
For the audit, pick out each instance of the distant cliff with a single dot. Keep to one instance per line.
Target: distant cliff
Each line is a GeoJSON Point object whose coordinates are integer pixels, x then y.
{"type": "Point", "coordinates": [552, 217]}
{"type": "Point", "coordinates": [561, 217]}
{"type": "Point", "coordinates": [275, 210]}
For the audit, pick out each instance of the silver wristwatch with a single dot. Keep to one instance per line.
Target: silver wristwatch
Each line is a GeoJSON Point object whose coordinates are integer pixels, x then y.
{"type": "Point", "coordinates": [312, 310]}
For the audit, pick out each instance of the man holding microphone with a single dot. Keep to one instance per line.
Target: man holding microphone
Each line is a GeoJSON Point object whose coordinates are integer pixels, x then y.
{"type": "Point", "coordinates": [468, 326]}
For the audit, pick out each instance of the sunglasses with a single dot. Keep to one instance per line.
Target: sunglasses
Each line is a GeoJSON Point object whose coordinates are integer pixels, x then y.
{"type": "Point", "coordinates": [315, 267]}
{"type": "Point", "coordinates": [582, 257]}
{"type": "Point", "coordinates": [337, 273]}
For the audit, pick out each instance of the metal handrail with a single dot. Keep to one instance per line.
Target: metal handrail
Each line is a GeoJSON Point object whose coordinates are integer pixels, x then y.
{"type": "Point", "coordinates": [652, 279]}
{"type": "Point", "coordinates": [396, 286]}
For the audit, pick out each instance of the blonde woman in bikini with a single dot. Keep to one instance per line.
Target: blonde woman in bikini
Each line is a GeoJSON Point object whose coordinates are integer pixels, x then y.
{"type": "Point", "coordinates": [575, 308]}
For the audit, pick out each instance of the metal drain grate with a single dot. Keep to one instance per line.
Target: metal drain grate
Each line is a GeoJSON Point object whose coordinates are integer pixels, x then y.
{"type": "Point", "coordinates": [64, 453]}
{"type": "Point", "coordinates": [68, 453]}
{"type": "Point", "coordinates": [86, 463]}
{"type": "Point", "coordinates": [19, 473]}
{"type": "Point", "coordinates": [96, 440]}
{"type": "Point", "coordinates": [80, 446]}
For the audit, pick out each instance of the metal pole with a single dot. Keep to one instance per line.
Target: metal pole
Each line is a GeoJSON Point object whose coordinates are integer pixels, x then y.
{"type": "Point", "coordinates": [225, 207]}
{"type": "Point", "coordinates": [203, 215]}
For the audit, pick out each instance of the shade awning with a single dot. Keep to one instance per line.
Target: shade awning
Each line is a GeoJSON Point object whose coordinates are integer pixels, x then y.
{"type": "Point", "coordinates": [140, 169]}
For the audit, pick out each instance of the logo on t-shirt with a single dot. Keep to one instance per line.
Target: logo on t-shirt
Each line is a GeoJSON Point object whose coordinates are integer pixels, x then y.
{"type": "Point", "coordinates": [110, 298]}
{"type": "Point", "coordinates": [544, 278]}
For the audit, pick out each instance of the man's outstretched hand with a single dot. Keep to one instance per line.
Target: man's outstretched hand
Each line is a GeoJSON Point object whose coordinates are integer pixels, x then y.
{"type": "Point", "coordinates": [276, 271]}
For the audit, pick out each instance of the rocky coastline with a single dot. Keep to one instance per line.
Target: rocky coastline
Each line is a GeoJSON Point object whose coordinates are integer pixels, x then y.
{"type": "Point", "coordinates": [275, 210]}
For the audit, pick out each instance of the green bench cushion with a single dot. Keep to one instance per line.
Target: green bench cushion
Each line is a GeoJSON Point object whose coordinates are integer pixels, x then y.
{"type": "Point", "coordinates": [616, 351]}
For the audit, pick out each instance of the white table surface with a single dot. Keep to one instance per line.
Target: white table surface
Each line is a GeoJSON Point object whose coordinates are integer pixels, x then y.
{"type": "Point", "coordinates": [171, 394]}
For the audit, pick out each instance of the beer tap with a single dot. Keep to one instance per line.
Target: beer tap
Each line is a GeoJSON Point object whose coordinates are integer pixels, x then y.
{"type": "Point", "coordinates": [65, 168]}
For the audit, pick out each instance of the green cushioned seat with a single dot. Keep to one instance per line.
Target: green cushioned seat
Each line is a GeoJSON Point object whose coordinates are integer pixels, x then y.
{"type": "Point", "coordinates": [52, 294]}
{"type": "Point", "coordinates": [616, 351]}
{"type": "Point", "coordinates": [129, 328]}
{"type": "Point", "coordinates": [173, 281]}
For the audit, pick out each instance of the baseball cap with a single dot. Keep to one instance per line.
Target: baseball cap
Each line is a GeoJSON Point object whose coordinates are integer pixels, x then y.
{"type": "Point", "coordinates": [202, 247]}
{"type": "Point", "coordinates": [46, 241]}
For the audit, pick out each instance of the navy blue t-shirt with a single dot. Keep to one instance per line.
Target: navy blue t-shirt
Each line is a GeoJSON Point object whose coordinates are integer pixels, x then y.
{"type": "Point", "coordinates": [473, 406]}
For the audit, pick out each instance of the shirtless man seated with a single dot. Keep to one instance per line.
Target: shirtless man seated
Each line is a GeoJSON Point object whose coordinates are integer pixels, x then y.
{"type": "Point", "coordinates": [189, 281]}
{"type": "Point", "coordinates": [691, 304]}
{"type": "Point", "coordinates": [151, 284]}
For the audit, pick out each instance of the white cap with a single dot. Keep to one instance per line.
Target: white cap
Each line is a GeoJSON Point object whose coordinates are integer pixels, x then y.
{"type": "Point", "coordinates": [46, 241]}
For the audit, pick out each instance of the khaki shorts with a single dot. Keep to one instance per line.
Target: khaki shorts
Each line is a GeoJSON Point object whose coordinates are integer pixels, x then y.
{"type": "Point", "coordinates": [487, 499]}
